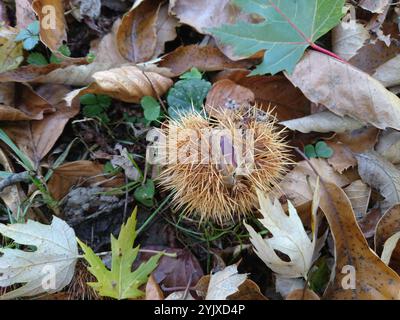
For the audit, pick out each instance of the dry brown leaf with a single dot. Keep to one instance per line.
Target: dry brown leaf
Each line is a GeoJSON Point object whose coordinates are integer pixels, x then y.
{"type": "Point", "coordinates": [33, 73]}
{"type": "Point", "coordinates": [144, 30]}
{"type": "Point", "coordinates": [342, 157]}
{"type": "Point", "coordinates": [381, 175]}
{"type": "Point", "coordinates": [358, 140]}
{"type": "Point", "coordinates": [346, 90]}
{"type": "Point", "coordinates": [248, 290]}
{"type": "Point", "coordinates": [137, 34]}
{"type": "Point", "coordinates": [28, 105]}
{"type": "Point", "coordinates": [300, 294]}
{"type": "Point", "coordinates": [24, 13]}
{"type": "Point", "coordinates": [75, 173]}
{"type": "Point", "coordinates": [389, 146]}
{"type": "Point", "coordinates": [298, 184]}
{"type": "Point", "coordinates": [129, 84]}
{"type": "Point", "coordinates": [226, 94]}
{"type": "Point", "coordinates": [271, 92]}
{"type": "Point", "coordinates": [204, 58]}
{"type": "Point", "coordinates": [36, 138]}
{"type": "Point", "coordinates": [153, 290]}
{"type": "Point", "coordinates": [387, 226]}
{"type": "Point", "coordinates": [7, 93]}
{"type": "Point", "coordinates": [324, 122]}
{"type": "Point", "coordinates": [106, 49]}
{"type": "Point", "coordinates": [358, 193]}
{"type": "Point", "coordinates": [53, 31]}
{"type": "Point", "coordinates": [369, 222]}
{"type": "Point", "coordinates": [373, 279]}
{"type": "Point", "coordinates": [165, 29]}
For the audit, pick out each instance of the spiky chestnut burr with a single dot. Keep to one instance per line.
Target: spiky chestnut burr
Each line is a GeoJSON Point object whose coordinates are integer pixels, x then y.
{"type": "Point", "coordinates": [257, 157]}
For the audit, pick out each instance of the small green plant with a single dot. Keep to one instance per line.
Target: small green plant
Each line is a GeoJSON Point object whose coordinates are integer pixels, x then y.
{"type": "Point", "coordinates": [120, 282]}
{"type": "Point", "coordinates": [95, 106]}
{"type": "Point", "coordinates": [188, 94]}
{"type": "Point", "coordinates": [29, 36]}
{"type": "Point", "coordinates": [151, 109]}
{"type": "Point", "coordinates": [320, 150]}
{"type": "Point", "coordinates": [37, 58]}
{"type": "Point", "coordinates": [145, 193]}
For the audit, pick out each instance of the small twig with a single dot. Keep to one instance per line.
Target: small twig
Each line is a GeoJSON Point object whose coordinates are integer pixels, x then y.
{"type": "Point", "coordinates": [14, 179]}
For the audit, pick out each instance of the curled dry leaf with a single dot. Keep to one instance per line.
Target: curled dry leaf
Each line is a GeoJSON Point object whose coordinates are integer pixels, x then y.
{"type": "Point", "coordinates": [77, 173]}
{"type": "Point", "coordinates": [225, 94]}
{"type": "Point", "coordinates": [389, 248]}
{"type": "Point", "coordinates": [388, 146]}
{"type": "Point", "coordinates": [27, 105]}
{"type": "Point", "coordinates": [345, 90]}
{"type": "Point", "coordinates": [324, 121]}
{"type": "Point", "coordinates": [387, 226]}
{"type": "Point", "coordinates": [381, 175]}
{"type": "Point", "coordinates": [359, 273]}
{"type": "Point", "coordinates": [137, 34]}
{"type": "Point", "coordinates": [204, 58]}
{"type": "Point", "coordinates": [358, 193]}
{"type": "Point", "coordinates": [296, 185]}
{"type": "Point", "coordinates": [53, 25]}
{"type": "Point", "coordinates": [36, 138]}
{"type": "Point", "coordinates": [106, 49]}
{"type": "Point", "coordinates": [129, 84]}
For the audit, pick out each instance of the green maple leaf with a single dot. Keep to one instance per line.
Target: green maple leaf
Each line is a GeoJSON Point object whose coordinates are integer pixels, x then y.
{"type": "Point", "coordinates": [120, 282]}
{"type": "Point", "coordinates": [290, 26]}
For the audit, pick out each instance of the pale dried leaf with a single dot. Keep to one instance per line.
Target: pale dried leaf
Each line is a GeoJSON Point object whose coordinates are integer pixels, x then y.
{"type": "Point", "coordinates": [388, 146]}
{"type": "Point", "coordinates": [288, 237]}
{"type": "Point", "coordinates": [381, 175]}
{"type": "Point", "coordinates": [346, 90]}
{"type": "Point", "coordinates": [358, 193]}
{"type": "Point", "coordinates": [389, 247]}
{"type": "Point", "coordinates": [324, 121]}
{"type": "Point", "coordinates": [389, 72]}
{"type": "Point", "coordinates": [348, 37]}
{"type": "Point", "coordinates": [224, 283]}
{"type": "Point", "coordinates": [56, 248]}
{"type": "Point", "coordinates": [296, 184]}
